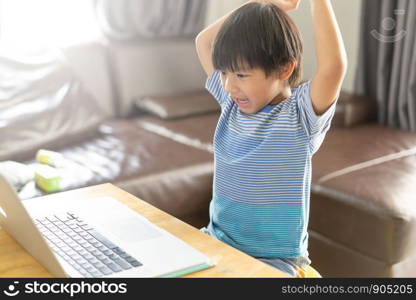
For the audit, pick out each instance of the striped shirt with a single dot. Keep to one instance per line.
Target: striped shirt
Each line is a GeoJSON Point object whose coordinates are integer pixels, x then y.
{"type": "Point", "coordinates": [262, 174]}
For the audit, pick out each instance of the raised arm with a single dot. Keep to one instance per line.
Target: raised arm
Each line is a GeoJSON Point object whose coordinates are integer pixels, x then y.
{"type": "Point", "coordinates": [331, 56]}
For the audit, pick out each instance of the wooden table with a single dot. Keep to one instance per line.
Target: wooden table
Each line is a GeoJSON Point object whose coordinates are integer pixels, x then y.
{"type": "Point", "coordinates": [16, 262]}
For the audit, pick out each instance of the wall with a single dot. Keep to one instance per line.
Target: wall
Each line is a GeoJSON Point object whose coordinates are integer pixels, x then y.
{"type": "Point", "coordinates": [218, 8]}
{"type": "Point", "coordinates": [155, 68]}
{"type": "Point", "coordinates": [90, 63]}
{"type": "Point", "coordinates": [348, 15]}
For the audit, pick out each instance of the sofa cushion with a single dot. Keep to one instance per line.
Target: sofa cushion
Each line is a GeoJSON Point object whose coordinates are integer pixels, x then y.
{"type": "Point", "coordinates": [349, 148]}
{"type": "Point", "coordinates": [363, 191]}
{"type": "Point", "coordinates": [353, 110]}
{"type": "Point", "coordinates": [371, 210]}
{"type": "Point", "coordinates": [333, 259]}
{"type": "Point", "coordinates": [178, 105]}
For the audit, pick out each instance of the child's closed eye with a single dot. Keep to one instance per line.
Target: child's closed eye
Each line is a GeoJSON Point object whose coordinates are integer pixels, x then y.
{"type": "Point", "coordinates": [239, 75]}
{"type": "Point", "coordinates": [242, 75]}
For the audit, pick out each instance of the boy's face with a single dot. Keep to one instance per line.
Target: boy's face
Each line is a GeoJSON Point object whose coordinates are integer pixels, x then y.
{"type": "Point", "coordinates": [251, 90]}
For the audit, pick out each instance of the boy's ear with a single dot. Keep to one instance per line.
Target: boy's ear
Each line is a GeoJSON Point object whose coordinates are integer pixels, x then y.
{"type": "Point", "coordinates": [287, 70]}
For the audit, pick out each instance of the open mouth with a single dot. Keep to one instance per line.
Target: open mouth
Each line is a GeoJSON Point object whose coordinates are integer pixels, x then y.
{"type": "Point", "coordinates": [241, 102]}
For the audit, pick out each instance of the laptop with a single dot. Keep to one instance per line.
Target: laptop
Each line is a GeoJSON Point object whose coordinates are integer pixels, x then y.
{"type": "Point", "coordinates": [97, 237]}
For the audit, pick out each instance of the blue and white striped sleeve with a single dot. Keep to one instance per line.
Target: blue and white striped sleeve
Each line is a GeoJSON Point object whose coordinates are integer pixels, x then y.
{"type": "Point", "coordinates": [213, 85]}
{"type": "Point", "coordinates": [315, 126]}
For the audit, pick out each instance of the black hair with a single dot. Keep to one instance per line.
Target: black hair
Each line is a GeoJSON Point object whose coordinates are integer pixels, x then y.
{"type": "Point", "coordinates": [259, 35]}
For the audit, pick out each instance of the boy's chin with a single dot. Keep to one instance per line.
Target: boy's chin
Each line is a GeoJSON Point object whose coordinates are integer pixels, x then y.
{"type": "Point", "coordinates": [249, 110]}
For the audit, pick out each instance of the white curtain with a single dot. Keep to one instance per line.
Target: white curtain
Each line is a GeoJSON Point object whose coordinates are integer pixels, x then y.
{"type": "Point", "coordinates": [136, 19]}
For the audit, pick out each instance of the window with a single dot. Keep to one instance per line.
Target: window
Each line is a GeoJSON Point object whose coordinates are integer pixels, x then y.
{"type": "Point", "coordinates": [28, 26]}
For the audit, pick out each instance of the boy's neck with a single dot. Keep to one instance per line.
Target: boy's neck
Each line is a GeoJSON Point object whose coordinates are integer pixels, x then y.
{"type": "Point", "coordinates": [283, 95]}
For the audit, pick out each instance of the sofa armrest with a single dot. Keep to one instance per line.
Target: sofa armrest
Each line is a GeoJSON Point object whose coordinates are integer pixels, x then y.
{"type": "Point", "coordinates": [354, 110]}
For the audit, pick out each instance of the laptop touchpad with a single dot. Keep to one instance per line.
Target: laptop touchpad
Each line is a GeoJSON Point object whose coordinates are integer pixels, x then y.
{"type": "Point", "coordinates": [132, 230]}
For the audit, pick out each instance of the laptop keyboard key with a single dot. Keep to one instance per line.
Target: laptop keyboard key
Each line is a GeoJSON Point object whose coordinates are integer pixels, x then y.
{"type": "Point", "coordinates": [89, 256]}
{"type": "Point", "coordinates": [90, 269]}
{"type": "Point", "coordinates": [94, 261]}
{"type": "Point", "coordinates": [95, 252]}
{"type": "Point", "coordinates": [106, 261]}
{"type": "Point", "coordinates": [105, 270]}
{"type": "Point", "coordinates": [89, 248]}
{"type": "Point", "coordinates": [96, 274]}
{"type": "Point", "coordinates": [124, 255]}
{"type": "Point", "coordinates": [77, 248]}
{"type": "Point", "coordinates": [114, 267]}
{"type": "Point", "coordinates": [85, 226]}
{"type": "Point", "coordinates": [95, 243]}
{"type": "Point", "coordinates": [98, 264]}
{"type": "Point", "coordinates": [62, 217]}
{"type": "Point", "coordinates": [122, 264]}
{"type": "Point", "coordinates": [102, 248]}
{"type": "Point", "coordinates": [102, 239]}
{"type": "Point", "coordinates": [101, 256]}
{"type": "Point", "coordinates": [84, 273]}
{"type": "Point", "coordinates": [77, 229]}
{"type": "Point", "coordinates": [129, 258]}
{"type": "Point", "coordinates": [107, 252]}
{"type": "Point", "coordinates": [136, 263]}
{"type": "Point", "coordinates": [84, 234]}
{"type": "Point", "coordinates": [112, 256]}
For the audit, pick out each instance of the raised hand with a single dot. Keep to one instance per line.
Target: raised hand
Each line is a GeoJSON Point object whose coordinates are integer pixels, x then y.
{"type": "Point", "coordinates": [285, 5]}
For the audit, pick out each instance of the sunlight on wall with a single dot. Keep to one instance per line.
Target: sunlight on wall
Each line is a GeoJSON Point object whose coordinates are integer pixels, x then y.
{"type": "Point", "coordinates": [30, 26]}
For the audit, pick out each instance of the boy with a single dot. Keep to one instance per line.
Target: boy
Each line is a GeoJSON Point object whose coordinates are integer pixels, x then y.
{"type": "Point", "coordinates": [270, 126]}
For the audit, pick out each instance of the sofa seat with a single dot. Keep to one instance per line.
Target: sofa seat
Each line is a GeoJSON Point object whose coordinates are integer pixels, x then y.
{"type": "Point", "coordinates": [363, 207]}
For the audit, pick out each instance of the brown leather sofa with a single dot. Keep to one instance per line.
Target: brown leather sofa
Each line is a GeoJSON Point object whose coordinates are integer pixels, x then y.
{"type": "Point", "coordinates": [362, 221]}
{"type": "Point", "coordinates": [363, 209]}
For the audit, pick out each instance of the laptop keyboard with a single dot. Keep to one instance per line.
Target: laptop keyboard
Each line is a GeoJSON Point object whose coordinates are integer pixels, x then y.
{"type": "Point", "coordinates": [83, 247]}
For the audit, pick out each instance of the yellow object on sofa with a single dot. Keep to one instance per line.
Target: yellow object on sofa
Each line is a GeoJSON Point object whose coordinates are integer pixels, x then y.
{"type": "Point", "coordinates": [48, 157]}
{"type": "Point", "coordinates": [47, 179]}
